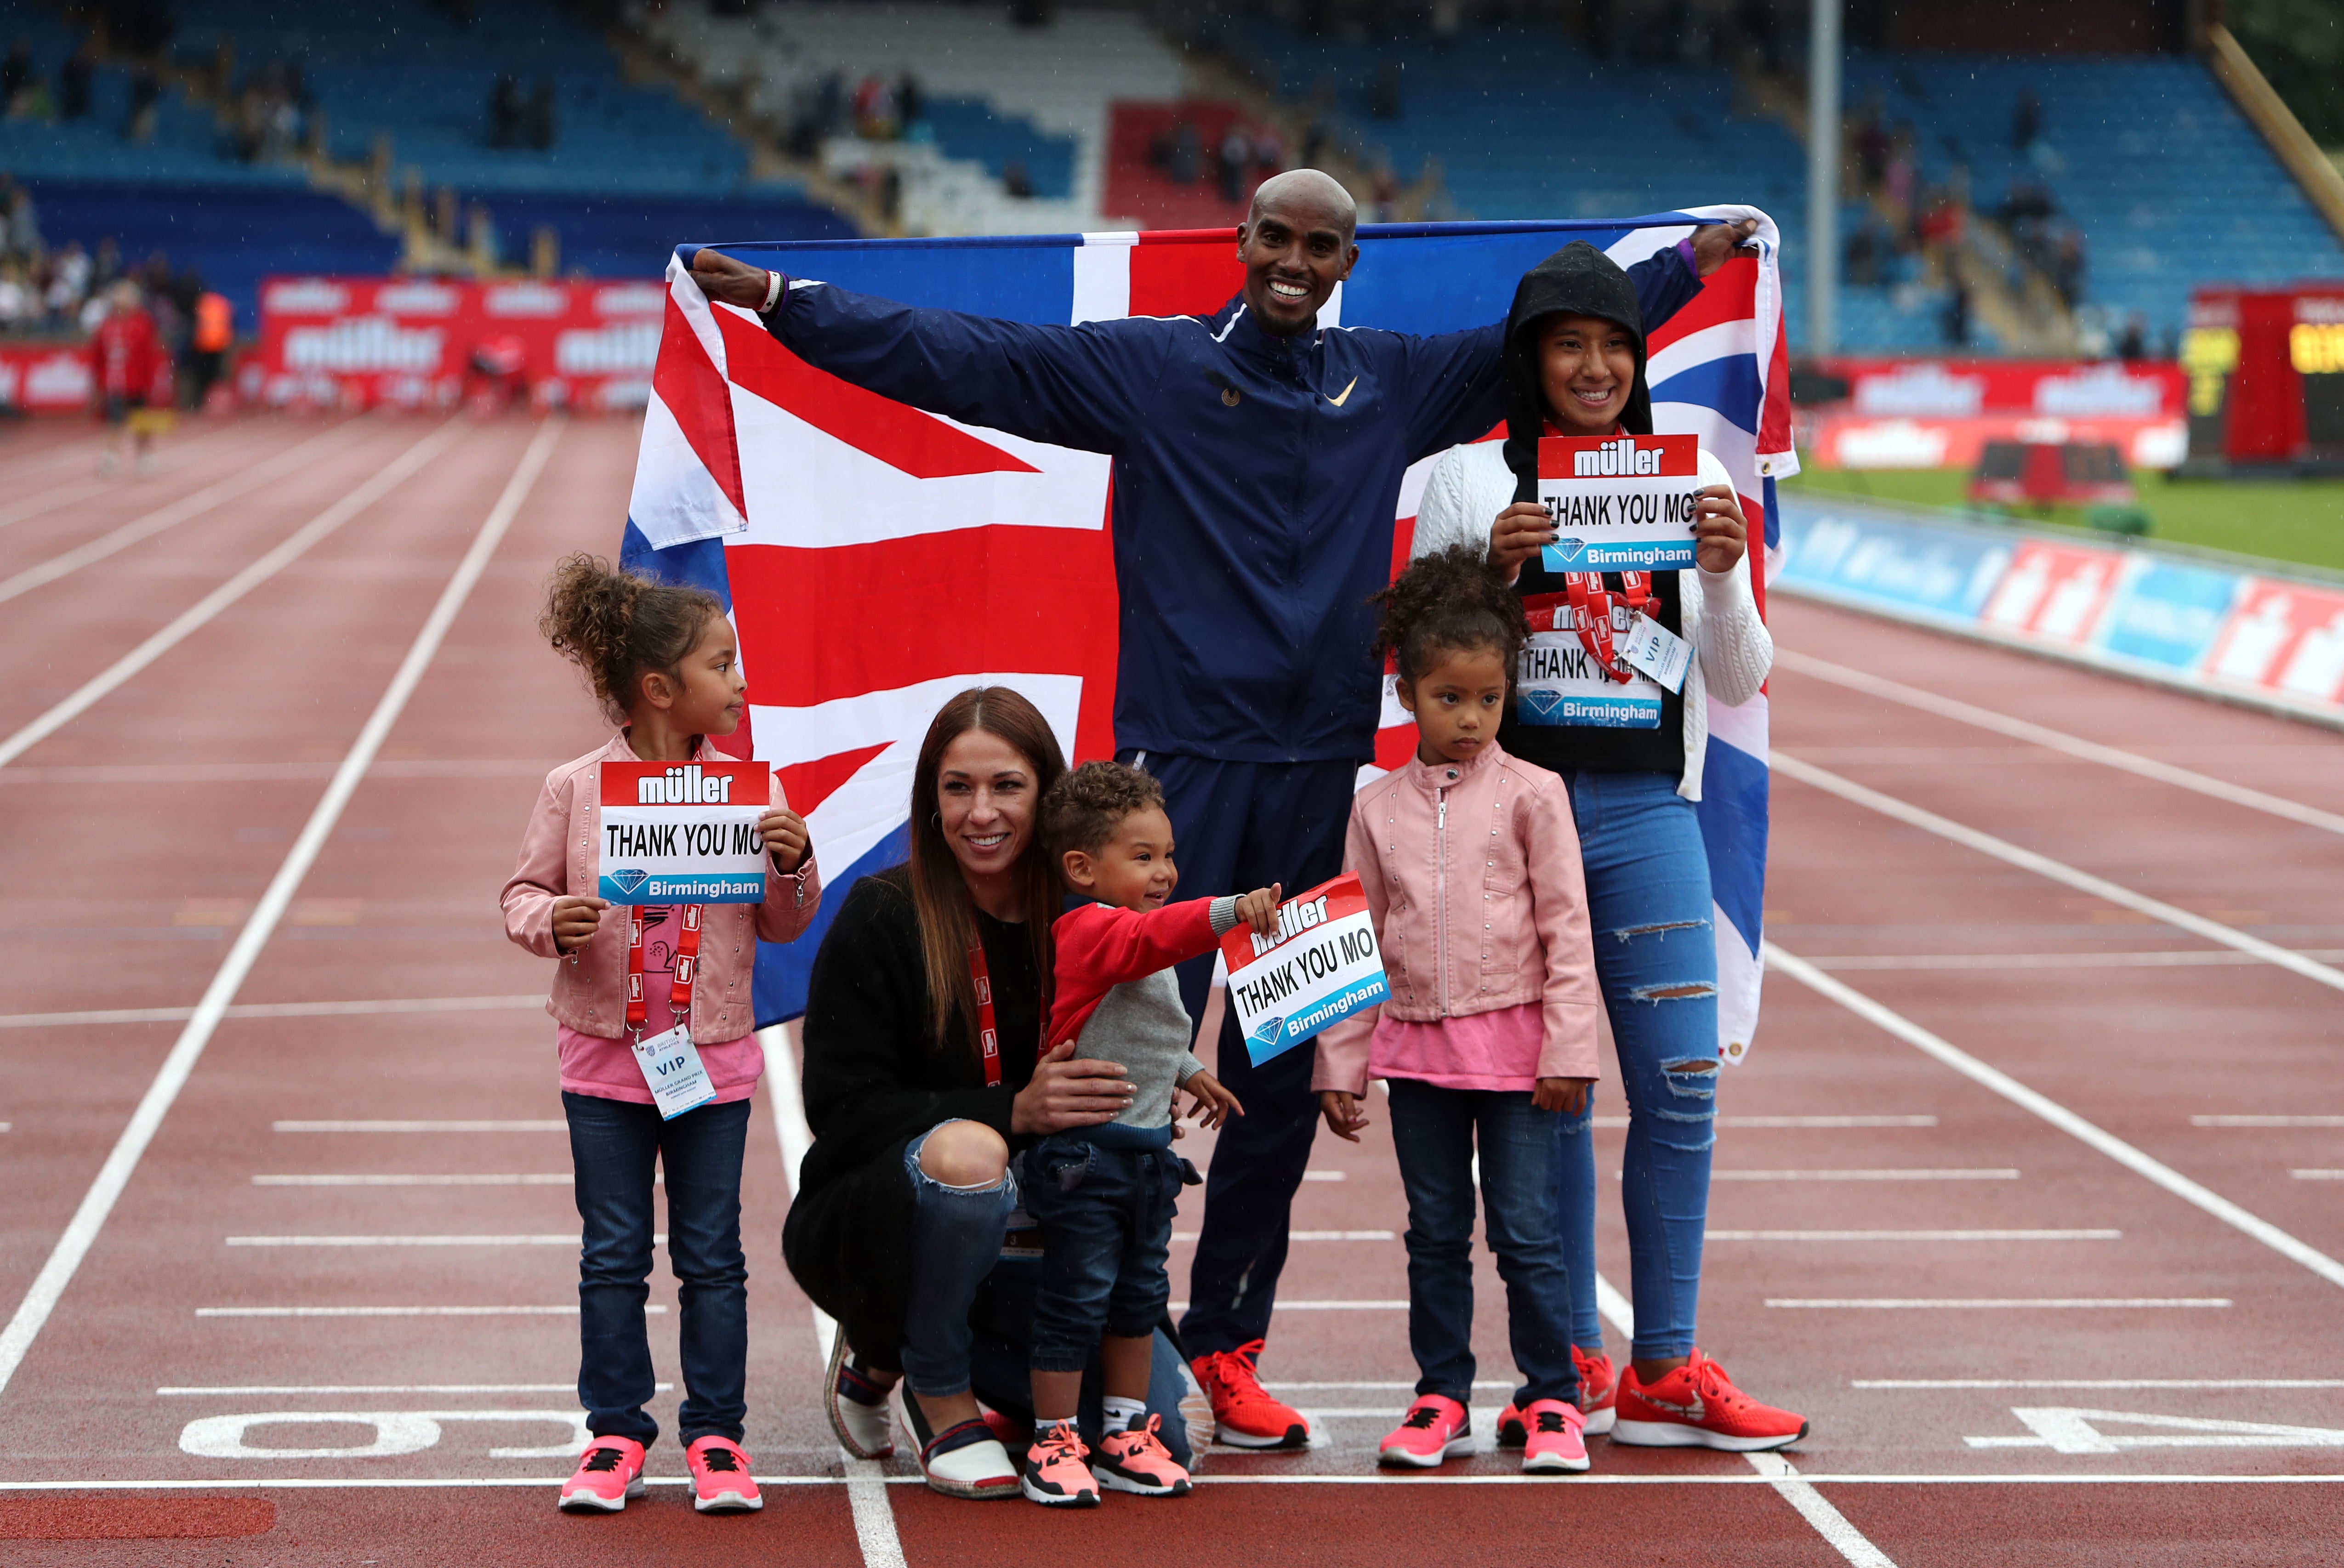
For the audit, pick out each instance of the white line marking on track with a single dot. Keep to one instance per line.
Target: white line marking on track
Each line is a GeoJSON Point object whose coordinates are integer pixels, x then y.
{"type": "Point", "coordinates": [1800, 1121]}
{"type": "Point", "coordinates": [550, 1312]}
{"type": "Point", "coordinates": [1913, 1235]}
{"type": "Point", "coordinates": [2185, 958]}
{"type": "Point", "coordinates": [2052, 1111]}
{"type": "Point", "coordinates": [201, 612]}
{"type": "Point", "coordinates": [547, 1126]}
{"type": "Point", "coordinates": [418, 1179]}
{"type": "Point", "coordinates": [2056, 871]}
{"type": "Point", "coordinates": [81, 1232]}
{"type": "Point", "coordinates": [2318, 1175]}
{"type": "Point", "coordinates": [2013, 1303]}
{"type": "Point", "coordinates": [1325, 1176]}
{"type": "Point", "coordinates": [2096, 1383]}
{"type": "Point", "coordinates": [1389, 1387]}
{"type": "Point", "coordinates": [2058, 740]}
{"type": "Point", "coordinates": [554, 1240]}
{"type": "Point", "coordinates": [173, 1389]}
{"type": "Point", "coordinates": [276, 1010]}
{"type": "Point", "coordinates": [1314, 1236]}
{"type": "Point", "coordinates": [1891, 1173]}
{"type": "Point", "coordinates": [2266, 1122]}
{"type": "Point", "coordinates": [397, 1483]}
{"type": "Point", "coordinates": [116, 540]}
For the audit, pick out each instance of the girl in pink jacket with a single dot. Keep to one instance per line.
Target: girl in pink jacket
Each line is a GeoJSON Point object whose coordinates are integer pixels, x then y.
{"type": "Point", "coordinates": [1469, 861]}
{"type": "Point", "coordinates": [663, 662]}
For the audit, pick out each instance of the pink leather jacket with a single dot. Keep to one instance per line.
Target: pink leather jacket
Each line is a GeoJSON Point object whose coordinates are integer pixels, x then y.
{"type": "Point", "coordinates": [1472, 877]}
{"type": "Point", "coordinates": [559, 856]}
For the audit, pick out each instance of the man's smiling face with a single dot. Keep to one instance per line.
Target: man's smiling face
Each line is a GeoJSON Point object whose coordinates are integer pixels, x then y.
{"type": "Point", "coordinates": [1296, 245]}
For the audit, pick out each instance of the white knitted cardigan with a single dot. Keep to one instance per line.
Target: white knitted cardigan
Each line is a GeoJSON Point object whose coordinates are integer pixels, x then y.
{"type": "Point", "coordinates": [1471, 484]}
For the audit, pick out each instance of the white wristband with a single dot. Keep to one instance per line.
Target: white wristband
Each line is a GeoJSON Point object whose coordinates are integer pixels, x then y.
{"type": "Point", "coordinates": [773, 291]}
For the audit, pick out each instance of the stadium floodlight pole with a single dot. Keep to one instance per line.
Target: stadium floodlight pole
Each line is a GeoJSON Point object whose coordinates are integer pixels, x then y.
{"type": "Point", "coordinates": [1824, 54]}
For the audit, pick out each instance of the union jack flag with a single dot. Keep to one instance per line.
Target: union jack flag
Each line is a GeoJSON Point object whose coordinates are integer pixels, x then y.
{"type": "Point", "coordinates": [876, 559]}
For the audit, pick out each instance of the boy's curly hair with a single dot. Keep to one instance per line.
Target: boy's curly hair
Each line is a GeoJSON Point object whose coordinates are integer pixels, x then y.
{"type": "Point", "coordinates": [1082, 809]}
{"type": "Point", "coordinates": [1452, 601]}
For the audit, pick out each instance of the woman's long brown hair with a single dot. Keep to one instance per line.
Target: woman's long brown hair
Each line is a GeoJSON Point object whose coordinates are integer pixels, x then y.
{"type": "Point", "coordinates": [940, 897]}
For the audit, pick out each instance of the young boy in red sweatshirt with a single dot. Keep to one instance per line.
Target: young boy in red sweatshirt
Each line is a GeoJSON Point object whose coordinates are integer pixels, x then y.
{"type": "Point", "coordinates": [1102, 1197]}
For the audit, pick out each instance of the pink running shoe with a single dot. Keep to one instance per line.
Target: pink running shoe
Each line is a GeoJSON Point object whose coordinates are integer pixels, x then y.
{"type": "Point", "coordinates": [609, 1472]}
{"type": "Point", "coordinates": [1599, 1400]}
{"type": "Point", "coordinates": [1135, 1459]}
{"type": "Point", "coordinates": [720, 1477]}
{"type": "Point", "coordinates": [1436, 1428]}
{"type": "Point", "coordinates": [1552, 1443]}
{"type": "Point", "coordinates": [1055, 1475]}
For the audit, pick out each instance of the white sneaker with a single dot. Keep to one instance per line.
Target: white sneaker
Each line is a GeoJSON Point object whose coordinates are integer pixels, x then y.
{"type": "Point", "coordinates": [857, 1406]}
{"type": "Point", "coordinates": [968, 1460]}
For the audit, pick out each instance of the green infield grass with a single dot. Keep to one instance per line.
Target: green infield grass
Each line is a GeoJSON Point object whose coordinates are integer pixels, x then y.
{"type": "Point", "coordinates": [2279, 520]}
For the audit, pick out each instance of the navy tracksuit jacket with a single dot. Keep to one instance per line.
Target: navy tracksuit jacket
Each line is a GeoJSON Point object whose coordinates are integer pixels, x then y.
{"type": "Point", "coordinates": [1255, 482]}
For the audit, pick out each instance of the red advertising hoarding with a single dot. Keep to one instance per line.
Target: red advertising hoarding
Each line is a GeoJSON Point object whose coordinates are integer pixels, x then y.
{"type": "Point", "coordinates": [429, 342]}
{"type": "Point", "coordinates": [1940, 413]}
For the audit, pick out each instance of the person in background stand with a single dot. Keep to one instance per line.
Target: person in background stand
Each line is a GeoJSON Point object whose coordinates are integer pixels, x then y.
{"type": "Point", "coordinates": [1258, 466]}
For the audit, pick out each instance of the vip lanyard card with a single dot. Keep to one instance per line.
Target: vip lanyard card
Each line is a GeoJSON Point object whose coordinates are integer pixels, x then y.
{"type": "Point", "coordinates": [1560, 682]}
{"type": "Point", "coordinates": [1620, 503]}
{"type": "Point", "coordinates": [1321, 965]}
{"type": "Point", "coordinates": [674, 1072]}
{"type": "Point", "coordinates": [682, 833]}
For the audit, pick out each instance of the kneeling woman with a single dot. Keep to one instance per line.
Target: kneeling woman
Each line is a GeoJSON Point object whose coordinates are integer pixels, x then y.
{"type": "Point", "coordinates": [923, 1022]}
{"type": "Point", "coordinates": [1575, 366]}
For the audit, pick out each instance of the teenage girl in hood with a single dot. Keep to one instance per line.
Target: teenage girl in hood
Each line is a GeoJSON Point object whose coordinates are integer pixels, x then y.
{"type": "Point", "coordinates": [1575, 366]}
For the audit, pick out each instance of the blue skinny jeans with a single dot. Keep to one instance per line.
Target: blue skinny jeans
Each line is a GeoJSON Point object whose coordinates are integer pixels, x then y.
{"type": "Point", "coordinates": [1650, 911]}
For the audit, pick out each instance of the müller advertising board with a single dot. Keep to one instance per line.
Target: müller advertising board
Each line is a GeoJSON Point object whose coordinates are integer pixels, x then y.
{"type": "Point", "coordinates": [1620, 503]}
{"type": "Point", "coordinates": [1321, 966]}
{"type": "Point", "coordinates": [682, 833]}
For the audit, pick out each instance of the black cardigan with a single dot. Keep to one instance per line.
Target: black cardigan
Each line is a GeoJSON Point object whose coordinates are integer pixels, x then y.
{"type": "Point", "coordinates": [876, 1079]}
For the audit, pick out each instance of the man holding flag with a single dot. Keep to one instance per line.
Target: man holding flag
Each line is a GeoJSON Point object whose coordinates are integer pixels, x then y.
{"type": "Point", "coordinates": [1258, 458]}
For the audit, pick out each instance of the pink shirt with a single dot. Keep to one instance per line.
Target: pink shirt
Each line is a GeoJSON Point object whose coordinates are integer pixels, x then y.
{"type": "Point", "coordinates": [1494, 1050]}
{"type": "Point", "coordinates": [606, 1070]}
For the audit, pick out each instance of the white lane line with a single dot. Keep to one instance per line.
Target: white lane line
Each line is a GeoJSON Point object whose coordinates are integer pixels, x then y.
{"type": "Point", "coordinates": [2005, 1303]}
{"type": "Point", "coordinates": [2096, 1383]}
{"type": "Point", "coordinates": [217, 1390]}
{"type": "Point", "coordinates": [1314, 1236]}
{"type": "Point", "coordinates": [277, 1010]}
{"type": "Point", "coordinates": [97, 1203]}
{"type": "Point", "coordinates": [2184, 958]}
{"type": "Point", "coordinates": [555, 1239]}
{"type": "Point", "coordinates": [1370, 1387]}
{"type": "Point", "coordinates": [1794, 1489]}
{"type": "Point", "coordinates": [201, 612]}
{"type": "Point", "coordinates": [1324, 1175]}
{"type": "Point", "coordinates": [866, 1483]}
{"type": "Point", "coordinates": [418, 1179]}
{"type": "Point", "coordinates": [1283, 1305]}
{"type": "Point", "coordinates": [2266, 1122]}
{"type": "Point", "coordinates": [1913, 1235]}
{"type": "Point", "coordinates": [116, 540]}
{"type": "Point", "coordinates": [2318, 1175]}
{"type": "Point", "coordinates": [555, 1311]}
{"type": "Point", "coordinates": [420, 1127]}
{"type": "Point", "coordinates": [2059, 741]}
{"type": "Point", "coordinates": [1892, 1173]}
{"type": "Point", "coordinates": [1798, 1121]}
{"type": "Point", "coordinates": [2056, 871]}
{"type": "Point", "coordinates": [2052, 1111]}
{"type": "Point", "coordinates": [405, 1484]}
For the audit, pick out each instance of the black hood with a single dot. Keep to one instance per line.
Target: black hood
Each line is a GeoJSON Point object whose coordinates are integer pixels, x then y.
{"type": "Point", "coordinates": [1580, 280]}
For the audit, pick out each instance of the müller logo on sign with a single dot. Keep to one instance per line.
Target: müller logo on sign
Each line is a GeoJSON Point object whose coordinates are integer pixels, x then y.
{"type": "Point", "coordinates": [1321, 966]}
{"type": "Point", "coordinates": [1620, 503]}
{"type": "Point", "coordinates": [682, 833]}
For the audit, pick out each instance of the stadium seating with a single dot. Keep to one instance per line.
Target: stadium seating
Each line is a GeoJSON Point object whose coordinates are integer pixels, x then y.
{"type": "Point", "coordinates": [185, 143]}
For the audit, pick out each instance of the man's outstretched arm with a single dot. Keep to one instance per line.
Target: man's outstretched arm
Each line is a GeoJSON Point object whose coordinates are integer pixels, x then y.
{"type": "Point", "coordinates": [1071, 386]}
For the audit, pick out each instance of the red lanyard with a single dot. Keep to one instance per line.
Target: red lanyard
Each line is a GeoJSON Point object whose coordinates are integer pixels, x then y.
{"type": "Point", "coordinates": [687, 959]}
{"type": "Point", "coordinates": [988, 1035]}
{"type": "Point", "coordinates": [1599, 614]}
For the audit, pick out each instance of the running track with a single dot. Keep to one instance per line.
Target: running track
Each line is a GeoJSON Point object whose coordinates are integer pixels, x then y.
{"type": "Point", "coordinates": [1991, 1076]}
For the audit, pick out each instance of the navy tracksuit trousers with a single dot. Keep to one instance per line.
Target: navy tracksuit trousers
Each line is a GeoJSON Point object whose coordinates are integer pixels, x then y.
{"type": "Point", "coordinates": [1238, 827]}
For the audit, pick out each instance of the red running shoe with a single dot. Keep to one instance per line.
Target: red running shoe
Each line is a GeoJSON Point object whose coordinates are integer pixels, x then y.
{"type": "Point", "coordinates": [1244, 1415]}
{"type": "Point", "coordinates": [1697, 1406]}
{"type": "Point", "coordinates": [1599, 1395]}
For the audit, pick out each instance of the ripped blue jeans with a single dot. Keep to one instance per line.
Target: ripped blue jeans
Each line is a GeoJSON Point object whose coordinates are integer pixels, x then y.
{"type": "Point", "coordinates": [1648, 908]}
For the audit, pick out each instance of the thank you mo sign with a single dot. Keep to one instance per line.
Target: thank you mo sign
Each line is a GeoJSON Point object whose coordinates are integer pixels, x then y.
{"type": "Point", "coordinates": [1620, 503]}
{"type": "Point", "coordinates": [682, 833]}
{"type": "Point", "coordinates": [1321, 965]}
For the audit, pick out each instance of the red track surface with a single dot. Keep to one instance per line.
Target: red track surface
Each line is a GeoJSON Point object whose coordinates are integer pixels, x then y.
{"type": "Point", "coordinates": [141, 833]}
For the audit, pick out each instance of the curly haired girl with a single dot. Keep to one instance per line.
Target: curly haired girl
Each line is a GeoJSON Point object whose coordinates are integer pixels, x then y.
{"type": "Point", "coordinates": [1469, 862]}
{"type": "Point", "coordinates": [662, 661]}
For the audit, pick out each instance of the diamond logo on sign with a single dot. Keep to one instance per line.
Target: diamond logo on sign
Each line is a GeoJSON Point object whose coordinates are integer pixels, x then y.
{"type": "Point", "coordinates": [1268, 1033]}
{"type": "Point", "coordinates": [1541, 701]}
{"type": "Point", "coordinates": [1564, 554]}
{"type": "Point", "coordinates": [631, 880]}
